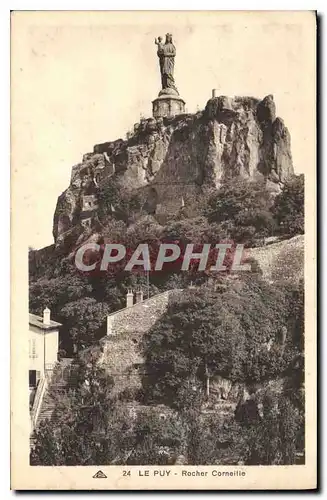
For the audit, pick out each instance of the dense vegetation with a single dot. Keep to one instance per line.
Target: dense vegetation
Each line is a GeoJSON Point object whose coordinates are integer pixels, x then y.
{"type": "Point", "coordinates": [247, 331]}
{"type": "Point", "coordinates": [243, 332]}
{"type": "Point", "coordinates": [91, 427]}
{"type": "Point", "coordinates": [239, 211]}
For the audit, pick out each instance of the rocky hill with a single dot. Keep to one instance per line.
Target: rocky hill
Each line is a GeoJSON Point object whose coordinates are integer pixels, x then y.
{"type": "Point", "coordinates": [229, 348]}
{"type": "Point", "coordinates": [175, 161]}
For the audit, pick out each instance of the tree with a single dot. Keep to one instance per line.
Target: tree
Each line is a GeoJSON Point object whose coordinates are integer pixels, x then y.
{"type": "Point", "coordinates": [157, 438]}
{"type": "Point", "coordinates": [242, 210]}
{"type": "Point", "coordinates": [112, 200]}
{"type": "Point", "coordinates": [56, 292]}
{"type": "Point", "coordinates": [288, 208]}
{"type": "Point", "coordinates": [85, 319]}
{"type": "Point", "coordinates": [46, 450]}
{"type": "Point", "coordinates": [145, 230]}
{"type": "Point", "coordinates": [187, 230]}
{"type": "Point", "coordinates": [224, 332]}
{"type": "Point", "coordinates": [202, 437]}
{"type": "Point", "coordinates": [272, 438]}
{"type": "Point", "coordinates": [112, 230]}
{"type": "Point", "coordinates": [88, 427]}
{"type": "Point", "coordinates": [190, 338]}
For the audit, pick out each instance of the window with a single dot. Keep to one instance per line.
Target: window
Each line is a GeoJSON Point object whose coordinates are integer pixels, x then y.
{"type": "Point", "coordinates": [32, 348]}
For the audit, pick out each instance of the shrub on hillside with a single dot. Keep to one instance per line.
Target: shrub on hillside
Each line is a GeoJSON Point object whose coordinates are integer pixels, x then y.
{"type": "Point", "coordinates": [211, 333]}
{"type": "Point", "coordinates": [242, 210]}
{"type": "Point", "coordinates": [288, 207]}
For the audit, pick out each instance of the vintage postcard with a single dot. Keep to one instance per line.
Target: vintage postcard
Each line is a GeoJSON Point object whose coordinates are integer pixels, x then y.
{"type": "Point", "coordinates": [163, 250]}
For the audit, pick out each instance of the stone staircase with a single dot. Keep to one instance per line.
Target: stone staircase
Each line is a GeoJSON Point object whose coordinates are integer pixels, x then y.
{"type": "Point", "coordinates": [60, 382]}
{"type": "Point", "coordinates": [46, 410]}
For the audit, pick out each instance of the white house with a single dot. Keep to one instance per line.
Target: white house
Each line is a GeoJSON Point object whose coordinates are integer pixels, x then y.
{"type": "Point", "coordinates": [43, 346]}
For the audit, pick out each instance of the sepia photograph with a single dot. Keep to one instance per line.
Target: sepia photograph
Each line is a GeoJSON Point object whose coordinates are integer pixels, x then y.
{"type": "Point", "coordinates": [163, 198]}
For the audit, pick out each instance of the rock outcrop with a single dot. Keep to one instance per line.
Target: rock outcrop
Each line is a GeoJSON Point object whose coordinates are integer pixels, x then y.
{"type": "Point", "coordinates": [180, 158]}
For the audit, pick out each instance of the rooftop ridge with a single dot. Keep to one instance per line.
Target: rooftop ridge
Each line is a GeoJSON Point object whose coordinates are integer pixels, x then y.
{"type": "Point", "coordinates": [36, 320]}
{"type": "Point", "coordinates": [146, 300]}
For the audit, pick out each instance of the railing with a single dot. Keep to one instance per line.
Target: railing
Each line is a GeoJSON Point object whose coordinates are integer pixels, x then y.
{"type": "Point", "coordinates": [58, 372]}
{"type": "Point", "coordinates": [48, 370]}
{"type": "Point", "coordinates": [40, 390]}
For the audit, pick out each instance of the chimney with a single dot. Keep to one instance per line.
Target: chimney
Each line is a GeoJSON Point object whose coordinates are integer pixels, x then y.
{"type": "Point", "coordinates": [129, 298]}
{"type": "Point", "coordinates": [46, 316]}
{"type": "Point", "coordinates": [139, 296]}
{"type": "Point", "coordinates": [215, 93]}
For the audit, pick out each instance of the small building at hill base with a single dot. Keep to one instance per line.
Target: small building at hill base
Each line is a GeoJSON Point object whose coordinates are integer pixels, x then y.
{"type": "Point", "coordinates": [43, 340]}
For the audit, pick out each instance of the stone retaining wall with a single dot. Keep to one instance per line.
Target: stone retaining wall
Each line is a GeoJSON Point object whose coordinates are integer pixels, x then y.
{"type": "Point", "coordinates": [121, 348]}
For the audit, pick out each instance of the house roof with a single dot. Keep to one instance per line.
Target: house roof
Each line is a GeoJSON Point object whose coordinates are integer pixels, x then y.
{"type": "Point", "coordinates": [38, 322]}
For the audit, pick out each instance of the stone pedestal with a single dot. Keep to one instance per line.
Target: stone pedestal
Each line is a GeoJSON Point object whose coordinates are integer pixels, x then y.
{"type": "Point", "coordinates": [167, 105]}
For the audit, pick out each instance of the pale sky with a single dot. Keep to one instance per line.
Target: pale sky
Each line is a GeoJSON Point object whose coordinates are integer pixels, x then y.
{"type": "Point", "coordinates": [79, 79]}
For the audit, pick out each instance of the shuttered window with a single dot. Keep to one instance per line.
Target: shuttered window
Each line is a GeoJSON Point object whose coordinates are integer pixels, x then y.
{"type": "Point", "coordinates": [32, 348]}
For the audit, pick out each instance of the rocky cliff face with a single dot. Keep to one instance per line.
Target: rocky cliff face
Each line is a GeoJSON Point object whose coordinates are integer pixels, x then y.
{"type": "Point", "coordinates": [175, 161]}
